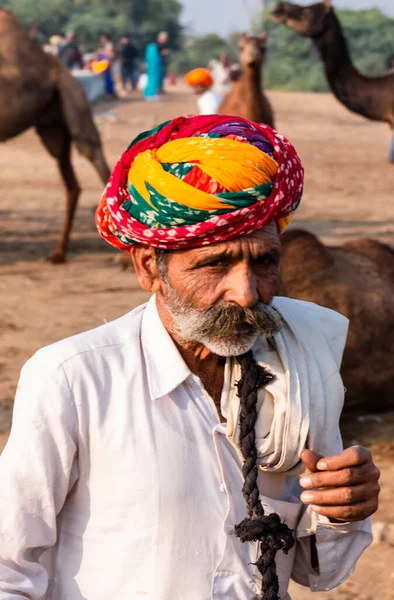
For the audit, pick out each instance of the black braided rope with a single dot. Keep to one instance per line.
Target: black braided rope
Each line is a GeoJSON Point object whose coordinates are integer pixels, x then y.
{"type": "Point", "coordinates": [258, 527]}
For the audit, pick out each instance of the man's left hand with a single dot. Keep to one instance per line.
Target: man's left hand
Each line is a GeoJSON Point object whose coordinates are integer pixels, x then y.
{"type": "Point", "coordinates": [342, 487]}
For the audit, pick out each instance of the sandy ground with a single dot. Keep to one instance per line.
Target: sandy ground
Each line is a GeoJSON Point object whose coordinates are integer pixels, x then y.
{"type": "Point", "coordinates": [349, 193]}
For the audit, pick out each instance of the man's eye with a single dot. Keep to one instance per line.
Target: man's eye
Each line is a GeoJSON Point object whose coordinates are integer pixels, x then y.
{"type": "Point", "coordinates": [267, 259]}
{"type": "Point", "coordinates": [219, 262]}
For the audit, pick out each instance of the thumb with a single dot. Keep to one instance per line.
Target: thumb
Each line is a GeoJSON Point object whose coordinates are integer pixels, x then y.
{"type": "Point", "coordinates": [310, 460]}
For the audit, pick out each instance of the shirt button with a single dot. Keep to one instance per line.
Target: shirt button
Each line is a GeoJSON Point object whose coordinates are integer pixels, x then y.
{"type": "Point", "coordinates": [222, 487]}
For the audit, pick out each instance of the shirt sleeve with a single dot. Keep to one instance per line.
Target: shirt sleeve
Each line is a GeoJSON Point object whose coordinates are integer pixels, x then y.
{"type": "Point", "coordinates": [326, 552]}
{"type": "Point", "coordinates": [37, 470]}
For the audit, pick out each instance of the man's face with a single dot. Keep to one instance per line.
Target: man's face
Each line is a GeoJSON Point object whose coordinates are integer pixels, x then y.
{"type": "Point", "coordinates": [219, 295]}
{"type": "Point", "coordinates": [163, 38]}
{"type": "Point", "coordinates": [199, 89]}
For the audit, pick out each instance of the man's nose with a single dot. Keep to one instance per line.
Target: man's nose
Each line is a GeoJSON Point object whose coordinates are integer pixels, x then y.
{"type": "Point", "coordinates": [241, 287]}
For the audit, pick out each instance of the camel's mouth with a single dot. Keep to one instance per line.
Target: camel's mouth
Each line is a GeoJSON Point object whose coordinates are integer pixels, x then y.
{"type": "Point", "coordinates": [283, 12]}
{"type": "Point", "coordinates": [254, 62]}
{"type": "Point", "coordinates": [278, 16]}
{"type": "Point", "coordinates": [279, 13]}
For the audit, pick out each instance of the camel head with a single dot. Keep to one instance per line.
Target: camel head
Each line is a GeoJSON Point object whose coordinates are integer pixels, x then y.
{"type": "Point", "coordinates": [308, 21]}
{"type": "Point", "coordinates": [252, 49]}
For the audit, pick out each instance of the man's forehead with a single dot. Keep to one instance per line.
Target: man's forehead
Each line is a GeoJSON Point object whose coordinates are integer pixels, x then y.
{"type": "Point", "coordinates": [263, 240]}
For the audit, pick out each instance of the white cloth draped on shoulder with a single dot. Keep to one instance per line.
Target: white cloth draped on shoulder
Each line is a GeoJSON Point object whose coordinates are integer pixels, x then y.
{"type": "Point", "coordinates": [301, 406]}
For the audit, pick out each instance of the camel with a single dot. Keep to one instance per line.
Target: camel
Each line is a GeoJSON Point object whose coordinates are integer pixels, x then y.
{"type": "Point", "coordinates": [357, 280]}
{"type": "Point", "coordinates": [246, 98]}
{"type": "Point", "coordinates": [371, 97]}
{"type": "Point", "coordinates": [36, 90]}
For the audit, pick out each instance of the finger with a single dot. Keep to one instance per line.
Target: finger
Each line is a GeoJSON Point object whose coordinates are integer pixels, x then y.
{"type": "Point", "coordinates": [350, 476]}
{"type": "Point", "coordinates": [352, 512]}
{"type": "Point", "coordinates": [351, 457]}
{"type": "Point", "coordinates": [341, 496]}
{"type": "Point", "coordinates": [310, 460]}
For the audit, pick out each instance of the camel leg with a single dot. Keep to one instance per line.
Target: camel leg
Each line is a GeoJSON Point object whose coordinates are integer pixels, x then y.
{"type": "Point", "coordinates": [58, 143]}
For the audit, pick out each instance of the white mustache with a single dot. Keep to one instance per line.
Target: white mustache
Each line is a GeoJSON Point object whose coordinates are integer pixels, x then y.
{"type": "Point", "coordinates": [226, 329]}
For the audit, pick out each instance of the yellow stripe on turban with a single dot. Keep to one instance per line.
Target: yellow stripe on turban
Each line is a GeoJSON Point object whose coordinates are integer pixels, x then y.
{"type": "Point", "coordinates": [235, 165]}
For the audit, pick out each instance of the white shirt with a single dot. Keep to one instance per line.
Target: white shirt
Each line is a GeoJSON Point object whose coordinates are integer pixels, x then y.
{"type": "Point", "coordinates": [220, 75]}
{"type": "Point", "coordinates": [209, 103]}
{"type": "Point", "coordinates": [118, 481]}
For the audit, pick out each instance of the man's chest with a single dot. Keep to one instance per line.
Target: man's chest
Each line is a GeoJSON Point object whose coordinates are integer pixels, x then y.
{"type": "Point", "coordinates": [169, 455]}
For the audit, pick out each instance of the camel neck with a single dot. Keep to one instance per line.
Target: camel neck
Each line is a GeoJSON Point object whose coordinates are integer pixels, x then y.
{"type": "Point", "coordinates": [363, 95]}
{"type": "Point", "coordinates": [332, 45]}
{"type": "Point", "coordinates": [251, 76]}
{"type": "Point", "coordinates": [334, 51]}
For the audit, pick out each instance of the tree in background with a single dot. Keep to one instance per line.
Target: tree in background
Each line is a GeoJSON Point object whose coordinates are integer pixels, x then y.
{"type": "Point", "coordinates": [88, 18]}
{"type": "Point", "coordinates": [50, 15]}
{"type": "Point", "coordinates": [198, 51]}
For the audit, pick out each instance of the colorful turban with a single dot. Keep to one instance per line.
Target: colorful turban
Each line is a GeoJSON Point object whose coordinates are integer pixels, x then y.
{"type": "Point", "coordinates": [199, 77]}
{"type": "Point", "coordinates": [199, 180]}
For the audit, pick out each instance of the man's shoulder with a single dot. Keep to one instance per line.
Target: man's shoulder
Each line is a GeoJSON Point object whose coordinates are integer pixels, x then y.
{"type": "Point", "coordinates": [109, 335]}
{"type": "Point", "coordinates": [329, 321]}
{"type": "Point", "coordinates": [311, 322]}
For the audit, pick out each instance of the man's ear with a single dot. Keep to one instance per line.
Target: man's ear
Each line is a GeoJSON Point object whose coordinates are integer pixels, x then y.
{"type": "Point", "coordinates": [144, 260]}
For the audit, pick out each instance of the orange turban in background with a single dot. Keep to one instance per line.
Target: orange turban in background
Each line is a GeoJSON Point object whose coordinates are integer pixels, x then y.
{"type": "Point", "coordinates": [199, 77]}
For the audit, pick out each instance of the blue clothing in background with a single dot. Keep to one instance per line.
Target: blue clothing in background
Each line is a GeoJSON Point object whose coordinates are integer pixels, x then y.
{"type": "Point", "coordinates": [154, 72]}
{"type": "Point", "coordinates": [107, 74]}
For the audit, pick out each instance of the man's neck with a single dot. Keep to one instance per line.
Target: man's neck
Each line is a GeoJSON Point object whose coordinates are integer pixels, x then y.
{"type": "Point", "coordinates": [209, 367]}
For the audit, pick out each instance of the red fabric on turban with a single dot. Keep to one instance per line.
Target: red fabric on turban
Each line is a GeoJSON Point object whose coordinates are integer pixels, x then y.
{"type": "Point", "coordinates": [223, 178]}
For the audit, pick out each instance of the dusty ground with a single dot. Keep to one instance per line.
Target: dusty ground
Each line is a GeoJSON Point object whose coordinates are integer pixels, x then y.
{"type": "Point", "coordinates": [349, 193]}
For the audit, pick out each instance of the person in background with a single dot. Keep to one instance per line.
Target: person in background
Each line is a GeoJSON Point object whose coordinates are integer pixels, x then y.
{"type": "Point", "coordinates": [162, 43]}
{"type": "Point", "coordinates": [221, 75]}
{"type": "Point", "coordinates": [201, 81]}
{"type": "Point", "coordinates": [128, 53]}
{"type": "Point", "coordinates": [154, 73]}
{"type": "Point", "coordinates": [69, 52]}
{"type": "Point", "coordinates": [106, 53]}
{"type": "Point", "coordinates": [52, 47]}
{"type": "Point", "coordinates": [60, 40]}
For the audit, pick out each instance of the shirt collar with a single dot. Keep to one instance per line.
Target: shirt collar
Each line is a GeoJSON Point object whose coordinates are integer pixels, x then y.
{"type": "Point", "coordinates": [165, 367]}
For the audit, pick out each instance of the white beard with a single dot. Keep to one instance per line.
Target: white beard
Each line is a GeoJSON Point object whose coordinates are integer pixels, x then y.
{"type": "Point", "coordinates": [215, 328]}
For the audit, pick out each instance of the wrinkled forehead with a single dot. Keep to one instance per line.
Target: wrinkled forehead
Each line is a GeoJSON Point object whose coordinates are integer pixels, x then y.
{"type": "Point", "coordinates": [264, 240]}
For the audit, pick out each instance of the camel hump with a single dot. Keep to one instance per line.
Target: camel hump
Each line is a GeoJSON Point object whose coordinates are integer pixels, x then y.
{"type": "Point", "coordinates": [77, 112]}
{"type": "Point", "coordinates": [306, 247]}
{"type": "Point", "coordinates": [9, 21]}
{"type": "Point", "coordinates": [21, 59]}
{"type": "Point", "coordinates": [380, 254]}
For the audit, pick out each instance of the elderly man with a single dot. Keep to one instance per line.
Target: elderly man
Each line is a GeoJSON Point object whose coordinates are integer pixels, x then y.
{"type": "Point", "coordinates": [148, 455]}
